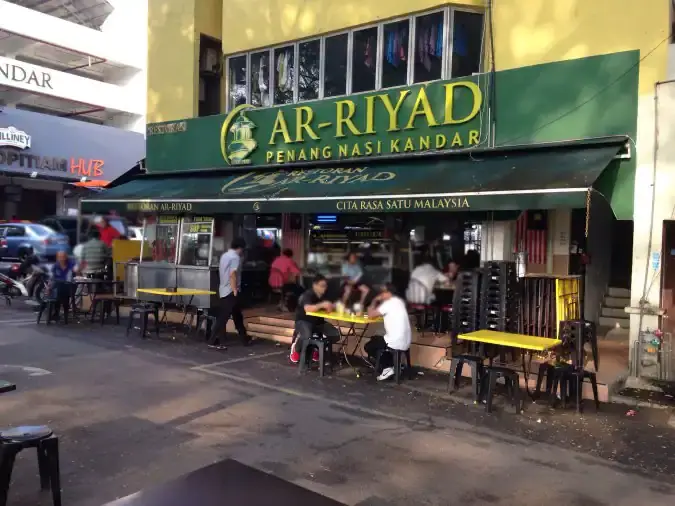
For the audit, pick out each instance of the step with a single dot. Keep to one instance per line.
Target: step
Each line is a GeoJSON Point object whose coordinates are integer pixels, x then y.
{"type": "Point", "coordinates": [621, 302]}
{"type": "Point", "coordinates": [615, 312]}
{"type": "Point", "coordinates": [268, 337]}
{"type": "Point", "coordinates": [608, 321]}
{"type": "Point", "coordinates": [274, 321]}
{"type": "Point", "coordinates": [618, 292]}
{"type": "Point", "coordinates": [273, 330]}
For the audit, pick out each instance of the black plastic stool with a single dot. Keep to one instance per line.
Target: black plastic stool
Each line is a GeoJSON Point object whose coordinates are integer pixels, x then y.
{"type": "Point", "coordinates": [512, 381]}
{"type": "Point", "coordinates": [571, 381]}
{"type": "Point", "coordinates": [396, 355]}
{"type": "Point", "coordinates": [14, 440]}
{"type": "Point", "coordinates": [550, 372]}
{"type": "Point", "coordinates": [143, 311]}
{"type": "Point", "coordinates": [325, 347]}
{"type": "Point", "coordinates": [477, 373]}
{"type": "Point", "coordinates": [106, 303]}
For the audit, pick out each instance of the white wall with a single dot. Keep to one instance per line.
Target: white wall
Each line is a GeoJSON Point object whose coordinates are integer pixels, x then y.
{"type": "Point", "coordinates": [57, 32]}
{"type": "Point", "coordinates": [659, 184]}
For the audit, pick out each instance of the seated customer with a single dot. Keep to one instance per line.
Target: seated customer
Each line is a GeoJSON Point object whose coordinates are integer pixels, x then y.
{"type": "Point", "coordinates": [422, 281]}
{"type": "Point", "coordinates": [398, 334]}
{"type": "Point", "coordinates": [306, 326]}
{"type": "Point", "coordinates": [284, 273]}
{"type": "Point", "coordinates": [352, 273]}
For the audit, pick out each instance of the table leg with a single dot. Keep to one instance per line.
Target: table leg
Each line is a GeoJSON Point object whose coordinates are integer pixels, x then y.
{"type": "Point", "coordinates": [185, 313]}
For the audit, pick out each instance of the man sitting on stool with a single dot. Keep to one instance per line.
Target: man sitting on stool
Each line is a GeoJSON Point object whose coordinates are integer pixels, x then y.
{"type": "Point", "coordinates": [306, 326]}
{"type": "Point", "coordinates": [398, 334]}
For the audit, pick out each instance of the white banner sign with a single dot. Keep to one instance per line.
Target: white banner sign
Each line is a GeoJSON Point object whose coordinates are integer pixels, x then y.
{"type": "Point", "coordinates": [14, 138]}
{"type": "Point", "coordinates": [36, 79]}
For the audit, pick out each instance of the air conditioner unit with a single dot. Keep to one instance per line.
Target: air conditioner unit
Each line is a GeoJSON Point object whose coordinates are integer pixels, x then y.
{"type": "Point", "coordinates": [210, 61]}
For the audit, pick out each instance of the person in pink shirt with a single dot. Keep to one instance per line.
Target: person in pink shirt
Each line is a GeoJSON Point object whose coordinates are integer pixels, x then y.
{"type": "Point", "coordinates": [284, 274]}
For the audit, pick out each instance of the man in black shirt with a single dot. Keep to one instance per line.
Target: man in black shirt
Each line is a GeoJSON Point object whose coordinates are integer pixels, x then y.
{"type": "Point", "coordinates": [311, 301]}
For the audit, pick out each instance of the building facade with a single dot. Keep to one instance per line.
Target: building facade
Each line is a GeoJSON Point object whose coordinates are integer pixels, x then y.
{"type": "Point", "coordinates": [314, 82]}
{"type": "Point", "coordinates": [73, 87]}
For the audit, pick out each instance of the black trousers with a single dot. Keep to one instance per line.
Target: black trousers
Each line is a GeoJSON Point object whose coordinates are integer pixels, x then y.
{"type": "Point", "coordinates": [63, 294]}
{"type": "Point", "coordinates": [229, 308]}
{"type": "Point", "coordinates": [376, 344]}
{"type": "Point", "coordinates": [304, 330]}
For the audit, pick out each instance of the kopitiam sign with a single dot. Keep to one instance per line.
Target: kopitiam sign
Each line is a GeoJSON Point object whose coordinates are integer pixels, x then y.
{"type": "Point", "coordinates": [443, 115]}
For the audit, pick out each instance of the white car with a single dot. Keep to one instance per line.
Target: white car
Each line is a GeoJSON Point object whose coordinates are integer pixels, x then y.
{"type": "Point", "coordinates": [136, 233]}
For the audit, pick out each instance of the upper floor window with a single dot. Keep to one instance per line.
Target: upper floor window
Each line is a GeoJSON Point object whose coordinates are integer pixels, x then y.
{"type": "Point", "coordinates": [441, 44]}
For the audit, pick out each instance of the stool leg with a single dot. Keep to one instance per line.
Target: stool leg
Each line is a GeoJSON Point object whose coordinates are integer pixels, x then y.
{"type": "Point", "coordinates": [411, 374]}
{"type": "Point", "coordinates": [452, 382]}
{"type": "Point", "coordinates": [131, 322]}
{"type": "Point", "coordinates": [579, 386]}
{"type": "Point", "coordinates": [43, 466]}
{"type": "Point", "coordinates": [563, 390]}
{"type": "Point", "coordinates": [516, 395]}
{"type": "Point", "coordinates": [475, 380]}
{"type": "Point", "coordinates": [492, 385]}
{"type": "Point", "coordinates": [594, 385]}
{"type": "Point", "coordinates": [321, 350]}
{"type": "Point", "coordinates": [7, 457]}
{"type": "Point", "coordinates": [554, 388]}
{"type": "Point", "coordinates": [144, 325]}
{"type": "Point", "coordinates": [397, 366]}
{"type": "Point", "coordinates": [302, 365]}
{"type": "Point", "coordinates": [378, 359]}
{"type": "Point", "coordinates": [156, 315]}
{"type": "Point", "coordinates": [540, 379]}
{"type": "Point", "coordinates": [52, 445]}
{"type": "Point", "coordinates": [117, 312]}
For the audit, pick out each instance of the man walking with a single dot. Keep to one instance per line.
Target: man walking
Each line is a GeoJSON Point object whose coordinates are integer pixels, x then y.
{"type": "Point", "coordinates": [229, 292]}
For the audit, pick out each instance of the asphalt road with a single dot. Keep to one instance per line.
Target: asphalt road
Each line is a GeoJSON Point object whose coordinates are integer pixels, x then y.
{"type": "Point", "coordinates": [132, 413]}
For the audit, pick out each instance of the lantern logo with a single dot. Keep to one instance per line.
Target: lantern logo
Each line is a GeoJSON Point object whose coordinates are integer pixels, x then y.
{"type": "Point", "coordinates": [236, 137]}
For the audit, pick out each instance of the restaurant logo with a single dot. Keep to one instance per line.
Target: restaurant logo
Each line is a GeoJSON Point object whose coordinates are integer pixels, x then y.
{"type": "Point", "coordinates": [275, 183]}
{"type": "Point", "coordinates": [236, 137]}
{"type": "Point", "coordinates": [14, 138]}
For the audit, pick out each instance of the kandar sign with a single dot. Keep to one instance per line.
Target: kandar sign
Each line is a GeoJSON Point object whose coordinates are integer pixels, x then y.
{"type": "Point", "coordinates": [17, 74]}
{"type": "Point", "coordinates": [394, 121]}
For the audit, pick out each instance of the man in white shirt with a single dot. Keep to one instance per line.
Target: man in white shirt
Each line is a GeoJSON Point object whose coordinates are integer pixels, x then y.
{"type": "Point", "coordinates": [229, 291]}
{"type": "Point", "coordinates": [398, 334]}
{"type": "Point", "coordinates": [422, 281]}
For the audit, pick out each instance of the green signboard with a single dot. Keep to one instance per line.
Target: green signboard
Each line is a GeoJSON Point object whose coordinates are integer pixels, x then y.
{"type": "Point", "coordinates": [441, 115]}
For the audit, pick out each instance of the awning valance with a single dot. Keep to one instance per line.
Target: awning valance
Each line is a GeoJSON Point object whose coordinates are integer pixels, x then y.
{"type": "Point", "coordinates": [557, 176]}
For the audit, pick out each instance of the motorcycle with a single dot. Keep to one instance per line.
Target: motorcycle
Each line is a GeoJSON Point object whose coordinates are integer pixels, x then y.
{"type": "Point", "coordinates": [27, 279]}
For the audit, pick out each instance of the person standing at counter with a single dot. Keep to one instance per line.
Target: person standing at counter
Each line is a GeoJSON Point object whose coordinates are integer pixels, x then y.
{"type": "Point", "coordinates": [229, 291]}
{"type": "Point", "coordinates": [108, 232]}
{"type": "Point", "coordinates": [352, 272]}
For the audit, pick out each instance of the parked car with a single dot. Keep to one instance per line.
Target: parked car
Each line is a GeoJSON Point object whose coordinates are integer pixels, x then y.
{"type": "Point", "coordinates": [17, 240]}
{"type": "Point", "coordinates": [67, 225]}
{"type": "Point", "coordinates": [136, 233]}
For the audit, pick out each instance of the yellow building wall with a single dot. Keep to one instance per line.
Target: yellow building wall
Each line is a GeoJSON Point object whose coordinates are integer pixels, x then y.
{"type": "Point", "coordinates": [174, 27]}
{"type": "Point", "coordinates": [526, 32]}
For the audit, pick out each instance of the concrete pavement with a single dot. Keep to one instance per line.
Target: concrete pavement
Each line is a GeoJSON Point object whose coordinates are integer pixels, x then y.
{"type": "Point", "coordinates": [134, 413]}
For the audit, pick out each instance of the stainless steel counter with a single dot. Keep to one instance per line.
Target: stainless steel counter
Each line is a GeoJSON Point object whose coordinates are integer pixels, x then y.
{"type": "Point", "coordinates": [163, 275]}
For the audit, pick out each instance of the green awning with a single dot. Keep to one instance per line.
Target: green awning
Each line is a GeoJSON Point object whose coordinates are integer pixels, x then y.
{"type": "Point", "coordinates": [498, 180]}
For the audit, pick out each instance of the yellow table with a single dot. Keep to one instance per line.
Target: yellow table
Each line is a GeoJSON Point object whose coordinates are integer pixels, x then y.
{"type": "Point", "coordinates": [521, 341]}
{"type": "Point", "coordinates": [179, 292]}
{"type": "Point", "coordinates": [352, 320]}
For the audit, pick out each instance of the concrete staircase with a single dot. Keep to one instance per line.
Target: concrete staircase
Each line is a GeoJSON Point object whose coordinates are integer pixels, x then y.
{"type": "Point", "coordinates": [613, 314]}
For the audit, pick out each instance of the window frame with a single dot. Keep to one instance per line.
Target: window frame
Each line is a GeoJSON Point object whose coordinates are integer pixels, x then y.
{"type": "Point", "coordinates": [321, 63]}
{"type": "Point", "coordinates": [448, 12]}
